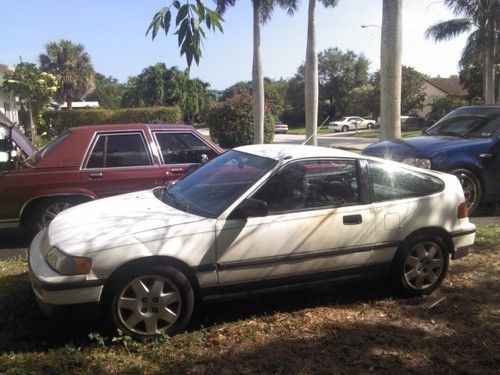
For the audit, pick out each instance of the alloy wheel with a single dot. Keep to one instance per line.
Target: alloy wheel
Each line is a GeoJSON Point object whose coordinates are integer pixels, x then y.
{"type": "Point", "coordinates": [424, 265]}
{"type": "Point", "coordinates": [149, 305]}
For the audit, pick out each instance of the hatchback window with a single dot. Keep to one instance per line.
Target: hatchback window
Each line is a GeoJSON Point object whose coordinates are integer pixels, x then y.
{"type": "Point", "coordinates": [391, 182]}
{"type": "Point", "coordinates": [311, 184]}
{"type": "Point", "coordinates": [183, 148]}
{"type": "Point", "coordinates": [118, 150]}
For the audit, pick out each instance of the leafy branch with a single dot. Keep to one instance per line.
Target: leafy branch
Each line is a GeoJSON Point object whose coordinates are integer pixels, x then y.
{"type": "Point", "coordinates": [190, 20]}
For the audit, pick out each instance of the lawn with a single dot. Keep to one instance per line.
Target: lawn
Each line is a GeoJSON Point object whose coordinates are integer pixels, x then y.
{"type": "Point", "coordinates": [349, 328]}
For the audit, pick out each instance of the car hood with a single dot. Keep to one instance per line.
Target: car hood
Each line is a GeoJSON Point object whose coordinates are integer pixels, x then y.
{"type": "Point", "coordinates": [118, 221]}
{"type": "Point", "coordinates": [425, 146]}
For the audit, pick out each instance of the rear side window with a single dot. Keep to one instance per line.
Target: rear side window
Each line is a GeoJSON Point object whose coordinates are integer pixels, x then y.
{"type": "Point", "coordinates": [179, 148]}
{"type": "Point", "coordinates": [118, 150]}
{"type": "Point", "coordinates": [391, 182]}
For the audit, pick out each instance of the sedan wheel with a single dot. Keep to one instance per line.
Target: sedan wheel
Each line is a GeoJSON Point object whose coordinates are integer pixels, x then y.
{"type": "Point", "coordinates": [471, 187]}
{"type": "Point", "coordinates": [51, 211]}
{"type": "Point", "coordinates": [345, 128]}
{"type": "Point", "coordinates": [421, 265]}
{"type": "Point", "coordinates": [155, 301]}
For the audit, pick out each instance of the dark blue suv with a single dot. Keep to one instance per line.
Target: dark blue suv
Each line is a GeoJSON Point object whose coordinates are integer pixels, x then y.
{"type": "Point", "coordinates": [466, 143]}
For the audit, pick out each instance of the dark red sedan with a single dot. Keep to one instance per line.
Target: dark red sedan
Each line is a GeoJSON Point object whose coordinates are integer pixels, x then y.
{"type": "Point", "coordinates": [90, 162]}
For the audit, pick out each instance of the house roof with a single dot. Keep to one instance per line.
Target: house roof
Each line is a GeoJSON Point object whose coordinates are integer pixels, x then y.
{"type": "Point", "coordinates": [450, 85]}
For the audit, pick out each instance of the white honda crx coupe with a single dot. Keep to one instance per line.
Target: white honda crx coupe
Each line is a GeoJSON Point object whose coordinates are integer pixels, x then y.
{"type": "Point", "coordinates": [257, 218]}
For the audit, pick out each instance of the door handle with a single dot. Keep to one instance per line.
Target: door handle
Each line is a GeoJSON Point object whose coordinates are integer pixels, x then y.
{"type": "Point", "coordinates": [176, 170]}
{"type": "Point", "coordinates": [95, 175]}
{"type": "Point", "coordinates": [352, 219]}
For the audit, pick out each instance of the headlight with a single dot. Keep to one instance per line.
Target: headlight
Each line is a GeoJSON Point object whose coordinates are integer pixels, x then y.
{"type": "Point", "coordinates": [66, 264]}
{"type": "Point", "coordinates": [416, 162]}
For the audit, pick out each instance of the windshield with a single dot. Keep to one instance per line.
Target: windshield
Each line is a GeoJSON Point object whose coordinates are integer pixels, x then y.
{"type": "Point", "coordinates": [212, 188]}
{"type": "Point", "coordinates": [468, 124]}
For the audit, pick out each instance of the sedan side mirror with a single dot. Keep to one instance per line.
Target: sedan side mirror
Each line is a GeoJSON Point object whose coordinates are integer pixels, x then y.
{"type": "Point", "coordinates": [250, 207]}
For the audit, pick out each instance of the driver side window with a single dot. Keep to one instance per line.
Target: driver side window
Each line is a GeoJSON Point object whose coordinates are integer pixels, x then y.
{"type": "Point", "coordinates": [311, 184]}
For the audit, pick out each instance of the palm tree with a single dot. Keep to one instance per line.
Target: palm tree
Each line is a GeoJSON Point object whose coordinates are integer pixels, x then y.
{"type": "Point", "coordinates": [71, 64]}
{"type": "Point", "coordinates": [478, 16]}
{"type": "Point", "coordinates": [311, 72]}
{"type": "Point", "coordinates": [262, 11]}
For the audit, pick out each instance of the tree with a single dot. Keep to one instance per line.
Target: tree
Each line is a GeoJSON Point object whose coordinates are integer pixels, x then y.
{"type": "Point", "coordinates": [108, 91]}
{"type": "Point", "coordinates": [478, 16]}
{"type": "Point", "coordinates": [390, 73]}
{"type": "Point", "coordinates": [412, 92]}
{"type": "Point", "coordinates": [443, 106]}
{"type": "Point", "coordinates": [158, 85]}
{"type": "Point", "coordinates": [191, 18]}
{"type": "Point", "coordinates": [311, 72]}
{"type": "Point", "coordinates": [71, 65]}
{"type": "Point", "coordinates": [262, 11]}
{"type": "Point", "coordinates": [471, 79]}
{"type": "Point", "coordinates": [34, 88]}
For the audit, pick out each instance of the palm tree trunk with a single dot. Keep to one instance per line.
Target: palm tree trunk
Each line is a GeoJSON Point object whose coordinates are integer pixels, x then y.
{"type": "Point", "coordinates": [69, 104]}
{"type": "Point", "coordinates": [311, 84]}
{"type": "Point", "coordinates": [257, 79]}
{"type": "Point", "coordinates": [489, 62]}
{"type": "Point", "coordinates": [390, 70]}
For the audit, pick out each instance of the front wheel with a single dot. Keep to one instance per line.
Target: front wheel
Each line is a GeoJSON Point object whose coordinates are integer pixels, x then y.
{"type": "Point", "coordinates": [345, 128]}
{"type": "Point", "coordinates": [471, 187]}
{"type": "Point", "coordinates": [369, 126]}
{"type": "Point", "coordinates": [149, 302]}
{"type": "Point", "coordinates": [420, 265]}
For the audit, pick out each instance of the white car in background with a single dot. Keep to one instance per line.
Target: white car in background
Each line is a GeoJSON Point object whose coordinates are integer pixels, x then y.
{"type": "Point", "coordinates": [351, 123]}
{"type": "Point", "coordinates": [257, 218]}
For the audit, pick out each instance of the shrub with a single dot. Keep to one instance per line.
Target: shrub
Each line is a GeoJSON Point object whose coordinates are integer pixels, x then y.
{"type": "Point", "coordinates": [56, 122]}
{"type": "Point", "coordinates": [231, 124]}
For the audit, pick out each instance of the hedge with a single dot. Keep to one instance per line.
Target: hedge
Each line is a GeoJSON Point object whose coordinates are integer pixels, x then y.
{"type": "Point", "coordinates": [231, 124]}
{"type": "Point", "coordinates": [56, 122]}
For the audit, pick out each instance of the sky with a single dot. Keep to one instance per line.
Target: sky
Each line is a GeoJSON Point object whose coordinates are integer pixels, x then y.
{"type": "Point", "coordinates": [113, 33]}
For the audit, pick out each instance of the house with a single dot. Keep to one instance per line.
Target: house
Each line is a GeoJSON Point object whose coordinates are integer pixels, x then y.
{"type": "Point", "coordinates": [8, 105]}
{"type": "Point", "coordinates": [440, 87]}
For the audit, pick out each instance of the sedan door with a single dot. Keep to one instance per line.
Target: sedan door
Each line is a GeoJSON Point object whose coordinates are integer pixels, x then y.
{"type": "Point", "coordinates": [316, 223]}
{"type": "Point", "coordinates": [119, 162]}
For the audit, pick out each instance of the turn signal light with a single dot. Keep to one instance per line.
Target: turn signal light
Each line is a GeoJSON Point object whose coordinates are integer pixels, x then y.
{"type": "Point", "coordinates": [463, 210]}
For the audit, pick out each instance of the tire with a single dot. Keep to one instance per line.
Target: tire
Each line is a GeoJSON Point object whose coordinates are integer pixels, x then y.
{"type": "Point", "coordinates": [345, 128]}
{"type": "Point", "coordinates": [147, 302]}
{"type": "Point", "coordinates": [45, 211]}
{"type": "Point", "coordinates": [471, 187]}
{"type": "Point", "coordinates": [420, 265]}
{"type": "Point", "coordinates": [369, 126]}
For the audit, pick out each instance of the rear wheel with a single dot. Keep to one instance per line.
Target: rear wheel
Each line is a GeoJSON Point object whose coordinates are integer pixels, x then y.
{"type": "Point", "coordinates": [345, 128]}
{"type": "Point", "coordinates": [149, 302]}
{"type": "Point", "coordinates": [369, 125]}
{"type": "Point", "coordinates": [42, 213]}
{"type": "Point", "coordinates": [471, 187]}
{"type": "Point", "coordinates": [420, 265]}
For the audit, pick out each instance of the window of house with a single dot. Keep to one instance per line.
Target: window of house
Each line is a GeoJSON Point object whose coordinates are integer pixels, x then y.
{"type": "Point", "coordinates": [391, 182]}
{"type": "Point", "coordinates": [119, 150]}
{"type": "Point", "coordinates": [182, 148]}
{"type": "Point", "coordinates": [311, 184]}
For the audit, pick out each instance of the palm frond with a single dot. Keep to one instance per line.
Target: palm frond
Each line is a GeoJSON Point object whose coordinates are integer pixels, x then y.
{"type": "Point", "coordinates": [447, 30]}
{"type": "Point", "coordinates": [329, 3]}
{"type": "Point", "coordinates": [222, 5]}
{"type": "Point", "coordinates": [290, 6]}
{"type": "Point", "coordinates": [472, 51]}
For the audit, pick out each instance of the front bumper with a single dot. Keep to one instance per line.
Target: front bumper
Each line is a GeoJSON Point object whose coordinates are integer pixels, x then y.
{"type": "Point", "coordinates": [54, 290]}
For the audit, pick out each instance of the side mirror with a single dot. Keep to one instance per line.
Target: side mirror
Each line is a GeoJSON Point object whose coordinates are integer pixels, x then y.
{"type": "Point", "coordinates": [250, 207]}
{"type": "Point", "coordinates": [203, 158]}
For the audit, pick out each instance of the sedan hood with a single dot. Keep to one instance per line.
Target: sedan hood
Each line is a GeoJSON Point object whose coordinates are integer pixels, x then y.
{"type": "Point", "coordinates": [117, 221]}
{"type": "Point", "coordinates": [425, 146]}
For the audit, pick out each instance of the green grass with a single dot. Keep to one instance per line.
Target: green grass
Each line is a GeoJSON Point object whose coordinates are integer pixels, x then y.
{"type": "Point", "coordinates": [302, 130]}
{"type": "Point", "coordinates": [352, 328]}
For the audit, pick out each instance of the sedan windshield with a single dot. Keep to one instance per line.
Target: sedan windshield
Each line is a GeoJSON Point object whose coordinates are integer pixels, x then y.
{"type": "Point", "coordinates": [209, 190]}
{"type": "Point", "coordinates": [467, 125]}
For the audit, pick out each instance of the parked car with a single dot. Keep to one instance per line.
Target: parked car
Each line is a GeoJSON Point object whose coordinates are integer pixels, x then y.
{"type": "Point", "coordinates": [257, 218]}
{"type": "Point", "coordinates": [351, 123]}
{"type": "Point", "coordinates": [466, 143]}
{"type": "Point", "coordinates": [90, 162]}
{"type": "Point", "coordinates": [280, 128]}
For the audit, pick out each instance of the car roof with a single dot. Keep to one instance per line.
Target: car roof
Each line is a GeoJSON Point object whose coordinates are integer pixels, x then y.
{"type": "Point", "coordinates": [114, 127]}
{"type": "Point", "coordinates": [281, 151]}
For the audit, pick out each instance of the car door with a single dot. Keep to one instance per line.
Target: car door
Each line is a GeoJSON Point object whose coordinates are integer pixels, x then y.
{"type": "Point", "coordinates": [315, 223]}
{"type": "Point", "coordinates": [119, 162]}
{"type": "Point", "coordinates": [180, 152]}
